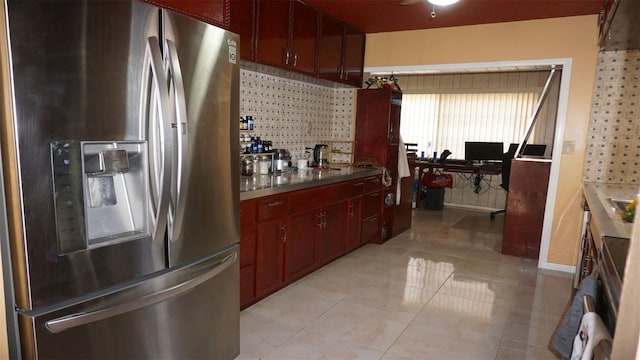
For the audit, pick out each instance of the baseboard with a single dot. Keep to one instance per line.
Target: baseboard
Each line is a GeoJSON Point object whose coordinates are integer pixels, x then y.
{"type": "Point", "coordinates": [557, 267]}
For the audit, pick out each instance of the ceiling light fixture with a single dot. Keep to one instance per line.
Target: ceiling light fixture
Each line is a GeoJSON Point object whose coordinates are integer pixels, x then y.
{"type": "Point", "coordinates": [443, 2]}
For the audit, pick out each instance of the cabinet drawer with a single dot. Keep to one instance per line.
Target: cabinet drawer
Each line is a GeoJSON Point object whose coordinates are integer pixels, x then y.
{"type": "Point", "coordinates": [356, 187]}
{"type": "Point", "coordinates": [272, 207]}
{"type": "Point", "coordinates": [372, 184]}
{"type": "Point", "coordinates": [247, 212]}
{"type": "Point", "coordinates": [371, 203]}
{"type": "Point", "coordinates": [317, 197]}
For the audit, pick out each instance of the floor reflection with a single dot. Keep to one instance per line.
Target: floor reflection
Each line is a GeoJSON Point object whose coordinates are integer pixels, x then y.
{"type": "Point", "coordinates": [441, 290]}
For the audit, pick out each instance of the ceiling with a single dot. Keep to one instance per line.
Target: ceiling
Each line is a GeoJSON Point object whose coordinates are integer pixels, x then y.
{"type": "Point", "coordinates": [374, 16]}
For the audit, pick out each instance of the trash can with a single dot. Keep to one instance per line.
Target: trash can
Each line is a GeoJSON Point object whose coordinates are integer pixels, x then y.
{"type": "Point", "coordinates": [432, 194]}
{"type": "Point", "coordinates": [432, 198]}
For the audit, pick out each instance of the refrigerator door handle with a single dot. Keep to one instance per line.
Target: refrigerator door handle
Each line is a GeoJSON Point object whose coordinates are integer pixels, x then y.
{"type": "Point", "coordinates": [180, 175]}
{"type": "Point", "coordinates": [152, 297]}
{"type": "Point", "coordinates": [158, 133]}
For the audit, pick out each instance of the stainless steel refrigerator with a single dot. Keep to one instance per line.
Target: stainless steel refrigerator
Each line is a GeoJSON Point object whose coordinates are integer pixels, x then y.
{"type": "Point", "coordinates": [119, 155]}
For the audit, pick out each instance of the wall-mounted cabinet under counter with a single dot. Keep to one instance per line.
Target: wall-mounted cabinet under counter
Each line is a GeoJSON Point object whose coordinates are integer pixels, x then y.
{"type": "Point", "coordinates": [303, 225]}
{"type": "Point", "coordinates": [605, 242]}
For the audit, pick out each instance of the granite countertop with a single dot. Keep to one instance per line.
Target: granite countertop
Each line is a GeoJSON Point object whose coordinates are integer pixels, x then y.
{"type": "Point", "coordinates": [263, 185]}
{"type": "Point", "coordinates": [603, 213]}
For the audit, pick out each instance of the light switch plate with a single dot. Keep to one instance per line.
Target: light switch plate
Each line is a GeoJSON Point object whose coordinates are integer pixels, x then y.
{"type": "Point", "coordinates": [568, 147]}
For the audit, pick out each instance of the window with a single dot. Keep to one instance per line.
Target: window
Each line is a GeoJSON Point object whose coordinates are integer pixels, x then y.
{"type": "Point", "coordinates": [445, 121]}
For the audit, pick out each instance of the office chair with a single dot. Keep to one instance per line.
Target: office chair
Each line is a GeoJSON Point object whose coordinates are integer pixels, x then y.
{"type": "Point", "coordinates": [506, 172]}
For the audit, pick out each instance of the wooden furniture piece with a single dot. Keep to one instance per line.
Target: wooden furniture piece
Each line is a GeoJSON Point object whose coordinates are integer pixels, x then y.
{"type": "Point", "coordinates": [288, 34]}
{"type": "Point", "coordinates": [271, 235]}
{"type": "Point", "coordinates": [377, 142]}
{"type": "Point", "coordinates": [247, 251]}
{"type": "Point", "coordinates": [287, 236]}
{"type": "Point", "coordinates": [526, 202]}
{"type": "Point", "coordinates": [340, 52]}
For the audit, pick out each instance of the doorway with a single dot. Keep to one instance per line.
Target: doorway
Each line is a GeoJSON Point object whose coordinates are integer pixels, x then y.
{"type": "Point", "coordinates": [563, 96]}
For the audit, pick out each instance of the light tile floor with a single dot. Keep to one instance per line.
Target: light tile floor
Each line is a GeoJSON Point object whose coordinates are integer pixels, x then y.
{"type": "Point", "coordinates": [440, 290]}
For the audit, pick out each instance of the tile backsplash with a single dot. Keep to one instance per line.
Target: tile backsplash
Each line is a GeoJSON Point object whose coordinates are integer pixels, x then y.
{"type": "Point", "coordinates": [296, 113]}
{"type": "Point", "coordinates": [613, 139]}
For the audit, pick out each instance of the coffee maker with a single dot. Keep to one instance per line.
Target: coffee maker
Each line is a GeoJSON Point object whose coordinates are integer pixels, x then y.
{"type": "Point", "coordinates": [320, 156]}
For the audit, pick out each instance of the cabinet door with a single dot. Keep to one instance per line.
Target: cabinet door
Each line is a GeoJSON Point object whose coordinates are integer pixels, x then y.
{"type": "Point", "coordinates": [332, 242]}
{"type": "Point", "coordinates": [247, 285]}
{"type": "Point", "coordinates": [272, 36]}
{"type": "Point", "coordinates": [330, 49]}
{"type": "Point", "coordinates": [304, 32]}
{"type": "Point", "coordinates": [371, 229]}
{"type": "Point", "coordinates": [269, 257]}
{"type": "Point", "coordinates": [394, 118]}
{"type": "Point", "coordinates": [299, 248]}
{"type": "Point", "coordinates": [242, 21]}
{"type": "Point", "coordinates": [353, 57]}
{"type": "Point", "coordinates": [211, 11]}
{"type": "Point", "coordinates": [354, 223]}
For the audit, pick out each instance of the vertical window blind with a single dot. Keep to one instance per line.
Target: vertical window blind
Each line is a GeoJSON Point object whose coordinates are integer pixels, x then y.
{"type": "Point", "coordinates": [445, 121]}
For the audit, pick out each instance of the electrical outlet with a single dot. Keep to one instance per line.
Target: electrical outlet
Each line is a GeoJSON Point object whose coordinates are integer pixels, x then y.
{"type": "Point", "coordinates": [568, 147]}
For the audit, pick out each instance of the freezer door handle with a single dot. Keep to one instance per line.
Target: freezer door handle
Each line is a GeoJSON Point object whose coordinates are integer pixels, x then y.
{"type": "Point", "coordinates": [206, 270]}
{"type": "Point", "coordinates": [179, 173]}
{"type": "Point", "coordinates": [159, 136]}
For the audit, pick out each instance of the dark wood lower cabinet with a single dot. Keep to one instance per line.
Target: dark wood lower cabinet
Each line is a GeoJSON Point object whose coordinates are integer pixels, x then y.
{"type": "Point", "coordinates": [354, 223]}
{"type": "Point", "coordinates": [247, 284]}
{"type": "Point", "coordinates": [270, 256]}
{"type": "Point", "coordinates": [524, 213]}
{"type": "Point", "coordinates": [330, 237]}
{"type": "Point", "coordinates": [285, 237]}
{"type": "Point", "coordinates": [299, 249]}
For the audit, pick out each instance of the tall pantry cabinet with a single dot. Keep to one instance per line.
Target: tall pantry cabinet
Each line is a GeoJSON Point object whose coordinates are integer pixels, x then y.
{"type": "Point", "coordinates": [377, 143]}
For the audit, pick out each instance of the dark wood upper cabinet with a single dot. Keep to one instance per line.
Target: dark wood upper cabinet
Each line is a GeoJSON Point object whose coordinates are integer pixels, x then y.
{"type": "Point", "coordinates": [330, 49]}
{"type": "Point", "coordinates": [272, 32]}
{"type": "Point", "coordinates": [243, 22]}
{"type": "Point", "coordinates": [353, 57]}
{"type": "Point", "coordinates": [304, 34]}
{"type": "Point", "coordinates": [215, 12]}
{"type": "Point", "coordinates": [340, 52]}
{"type": "Point", "coordinates": [286, 35]}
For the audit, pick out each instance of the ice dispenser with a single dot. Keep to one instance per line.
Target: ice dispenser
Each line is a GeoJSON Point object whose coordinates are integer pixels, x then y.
{"type": "Point", "coordinates": [101, 193]}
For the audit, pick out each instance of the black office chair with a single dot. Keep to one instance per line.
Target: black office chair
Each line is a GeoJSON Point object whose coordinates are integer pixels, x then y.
{"type": "Point", "coordinates": [506, 172]}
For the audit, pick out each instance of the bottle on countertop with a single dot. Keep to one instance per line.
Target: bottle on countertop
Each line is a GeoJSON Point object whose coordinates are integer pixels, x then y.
{"type": "Point", "coordinates": [260, 145]}
{"type": "Point", "coordinates": [249, 122]}
{"type": "Point", "coordinates": [254, 145]}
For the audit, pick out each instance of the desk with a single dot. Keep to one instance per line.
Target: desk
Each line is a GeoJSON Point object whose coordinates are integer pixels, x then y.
{"type": "Point", "coordinates": [486, 169]}
{"type": "Point", "coordinates": [478, 170]}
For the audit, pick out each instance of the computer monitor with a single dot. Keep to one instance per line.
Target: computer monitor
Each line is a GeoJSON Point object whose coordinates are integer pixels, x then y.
{"type": "Point", "coordinates": [481, 151]}
{"type": "Point", "coordinates": [529, 149]}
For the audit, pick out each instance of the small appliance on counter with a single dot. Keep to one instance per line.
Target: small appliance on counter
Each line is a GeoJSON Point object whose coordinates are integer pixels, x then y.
{"type": "Point", "coordinates": [320, 156]}
{"type": "Point", "coordinates": [281, 160]}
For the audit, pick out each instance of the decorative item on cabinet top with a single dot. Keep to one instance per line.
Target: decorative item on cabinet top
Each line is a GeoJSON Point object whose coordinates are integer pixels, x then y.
{"type": "Point", "coordinates": [340, 153]}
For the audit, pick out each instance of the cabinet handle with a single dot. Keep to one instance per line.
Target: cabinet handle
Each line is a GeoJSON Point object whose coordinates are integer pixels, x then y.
{"type": "Point", "coordinates": [358, 184]}
{"type": "Point", "coordinates": [275, 203]}
{"type": "Point", "coordinates": [295, 59]}
{"type": "Point", "coordinates": [346, 75]}
{"type": "Point", "coordinates": [284, 233]}
{"type": "Point", "coordinates": [373, 219]}
{"type": "Point", "coordinates": [285, 52]}
{"type": "Point", "coordinates": [319, 224]}
{"type": "Point", "coordinates": [377, 193]}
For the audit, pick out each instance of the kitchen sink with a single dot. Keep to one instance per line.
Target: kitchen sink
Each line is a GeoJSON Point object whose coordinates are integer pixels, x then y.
{"type": "Point", "coordinates": [619, 204]}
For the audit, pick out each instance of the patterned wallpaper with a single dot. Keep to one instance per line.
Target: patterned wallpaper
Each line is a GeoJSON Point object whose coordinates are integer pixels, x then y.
{"type": "Point", "coordinates": [295, 111]}
{"type": "Point", "coordinates": [613, 140]}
